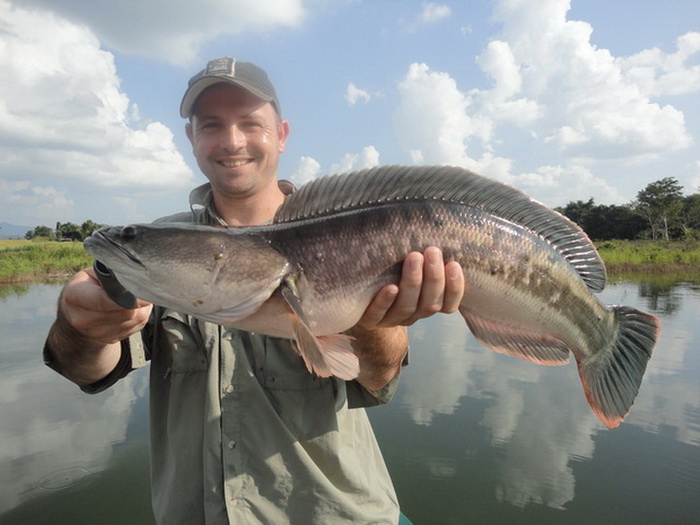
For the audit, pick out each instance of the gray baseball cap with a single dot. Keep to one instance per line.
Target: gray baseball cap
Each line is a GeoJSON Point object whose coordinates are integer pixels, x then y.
{"type": "Point", "coordinates": [225, 69]}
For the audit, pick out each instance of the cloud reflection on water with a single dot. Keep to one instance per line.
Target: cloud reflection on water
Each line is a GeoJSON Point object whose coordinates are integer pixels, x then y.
{"type": "Point", "coordinates": [537, 425]}
{"type": "Point", "coordinates": [52, 434]}
{"type": "Point", "coordinates": [538, 415]}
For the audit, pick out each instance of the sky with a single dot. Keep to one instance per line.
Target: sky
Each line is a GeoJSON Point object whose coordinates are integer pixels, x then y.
{"type": "Point", "coordinates": [565, 100]}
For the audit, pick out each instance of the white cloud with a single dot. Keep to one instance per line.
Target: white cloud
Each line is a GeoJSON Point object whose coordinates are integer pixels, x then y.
{"type": "Point", "coordinates": [435, 124]}
{"type": "Point", "coordinates": [64, 118]}
{"type": "Point", "coordinates": [433, 12]}
{"type": "Point", "coordinates": [353, 94]}
{"type": "Point", "coordinates": [39, 201]}
{"type": "Point", "coordinates": [307, 170]}
{"type": "Point", "coordinates": [694, 177]}
{"type": "Point", "coordinates": [554, 185]}
{"type": "Point", "coordinates": [591, 107]}
{"type": "Point", "coordinates": [502, 103]}
{"type": "Point", "coordinates": [657, 73]}
{"type": "Point", "coordinates": [574, 102]}
{"type": "Point", "coordinates": [174, 30]}
{"type": "Point", "coordinates": [367, 158]}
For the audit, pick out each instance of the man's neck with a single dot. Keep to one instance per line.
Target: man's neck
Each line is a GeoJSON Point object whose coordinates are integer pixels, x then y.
{"type": "Point", "coordinates": [249, 210]}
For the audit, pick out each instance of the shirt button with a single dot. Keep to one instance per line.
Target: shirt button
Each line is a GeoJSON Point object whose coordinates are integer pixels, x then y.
{"type": "Point", "coordinates": [228, 389]}
{"type": "Point", "coordinates": [231, 444]}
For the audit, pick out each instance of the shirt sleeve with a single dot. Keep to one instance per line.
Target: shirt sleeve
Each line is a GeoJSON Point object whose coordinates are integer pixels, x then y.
{"type": "Point", "coordinates": [133, 355]}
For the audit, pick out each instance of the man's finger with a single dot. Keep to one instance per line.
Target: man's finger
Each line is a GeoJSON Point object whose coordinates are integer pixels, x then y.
{"type": "Point", "coordinates": [409, 291]}
{"type": "Point", "coordinates": [454, 287]}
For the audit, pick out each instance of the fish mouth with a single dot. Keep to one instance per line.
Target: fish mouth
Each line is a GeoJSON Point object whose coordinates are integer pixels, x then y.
{"type": "Point", "coordinates": [99, 240]}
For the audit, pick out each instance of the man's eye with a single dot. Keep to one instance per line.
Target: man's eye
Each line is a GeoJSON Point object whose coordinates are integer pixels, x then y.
{"type": "Point", "coordinates": [251, 125]}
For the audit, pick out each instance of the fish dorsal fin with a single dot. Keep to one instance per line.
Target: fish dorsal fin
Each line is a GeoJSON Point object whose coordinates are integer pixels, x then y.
{"type": "Point", "coordinates": [392, 184]}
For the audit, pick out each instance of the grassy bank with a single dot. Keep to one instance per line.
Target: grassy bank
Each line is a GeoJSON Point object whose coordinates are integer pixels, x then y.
{"type": "Point", "coordinates": [37, 261]}
{"type": "Point", "coordinates": [22, 260]}
{"type": "Point", "coordinates": [651, 257]}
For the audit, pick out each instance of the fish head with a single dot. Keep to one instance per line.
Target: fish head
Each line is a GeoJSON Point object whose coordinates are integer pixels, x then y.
{"type": "Point", "coordinates": [218, 274]}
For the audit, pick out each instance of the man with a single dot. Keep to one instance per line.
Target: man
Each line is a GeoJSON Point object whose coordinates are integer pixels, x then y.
{"type": "Point", "coordinates": [240, 431]}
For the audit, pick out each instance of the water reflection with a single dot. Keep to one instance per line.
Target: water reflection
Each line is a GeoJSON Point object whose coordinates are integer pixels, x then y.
{"type": "Point", "coordinates": [52, 435]}
{"type": "Point", "coordinates": [536, 428]}
{"type": "Point", "coordinates": [471, 436]}
{"type": "Point", "coordinates": [536, 418]}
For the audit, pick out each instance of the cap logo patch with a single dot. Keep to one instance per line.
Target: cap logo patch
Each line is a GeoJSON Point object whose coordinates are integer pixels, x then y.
{"type": "Point", "coordinates": [221, 66]}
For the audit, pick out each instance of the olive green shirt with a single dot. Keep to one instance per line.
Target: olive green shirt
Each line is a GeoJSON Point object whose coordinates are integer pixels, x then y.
{"type": "Point", "coordinates": [242, 433]}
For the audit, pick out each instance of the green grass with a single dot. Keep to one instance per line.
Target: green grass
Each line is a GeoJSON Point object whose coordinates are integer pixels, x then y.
{"type": "Point", "coordinates": [650, 256]}
{"type": "Point", "coordinates": [22, 260]}
{"type": "Point", "coordinates": [26, 260]}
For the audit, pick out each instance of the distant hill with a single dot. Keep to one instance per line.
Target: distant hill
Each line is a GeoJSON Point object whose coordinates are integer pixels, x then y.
{"type": "Point", "coordinates": [12, 231]}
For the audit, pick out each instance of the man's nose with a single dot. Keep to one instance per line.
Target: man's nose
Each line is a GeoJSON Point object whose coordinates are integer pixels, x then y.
{"type": "Point", "coordinates": [233, 138]}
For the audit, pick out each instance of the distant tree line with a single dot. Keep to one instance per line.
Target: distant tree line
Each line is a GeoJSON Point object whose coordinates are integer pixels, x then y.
{"type": "Point", "coordinates": [661, 211]}
{"type": "Point", "coordinates": [64, 231]}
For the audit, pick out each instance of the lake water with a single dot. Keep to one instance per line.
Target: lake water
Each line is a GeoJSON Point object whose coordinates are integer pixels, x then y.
{"type": "Point", "coordinates": [471, 436]}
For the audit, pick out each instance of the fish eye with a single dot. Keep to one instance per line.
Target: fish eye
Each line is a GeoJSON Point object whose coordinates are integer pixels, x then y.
{"type": "Point", "coordinates": [128, 233]}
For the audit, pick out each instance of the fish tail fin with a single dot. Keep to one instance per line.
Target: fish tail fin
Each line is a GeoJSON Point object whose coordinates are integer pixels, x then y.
{"type": "Point", "coordinates": [611, 383]}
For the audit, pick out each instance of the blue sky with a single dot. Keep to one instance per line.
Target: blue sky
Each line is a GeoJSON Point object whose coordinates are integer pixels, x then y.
{"type": "Point", "coordinates": [564, 100]}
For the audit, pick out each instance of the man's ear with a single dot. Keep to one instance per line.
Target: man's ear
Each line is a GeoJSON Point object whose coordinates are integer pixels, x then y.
{"type": "Point", "coordinates": [283, 131]}
{"type": "Point", "coordinates": [189, 132]}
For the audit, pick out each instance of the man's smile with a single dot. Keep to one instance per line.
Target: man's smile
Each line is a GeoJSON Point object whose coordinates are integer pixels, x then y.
{"type": "Point", "coordinates": [235, 163]}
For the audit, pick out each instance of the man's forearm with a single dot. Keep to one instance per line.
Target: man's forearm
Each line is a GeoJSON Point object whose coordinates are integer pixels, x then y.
{"type": "Point", "coordinates": [78, 358]}
{"type": "Point", "coordinates": [381, 352]}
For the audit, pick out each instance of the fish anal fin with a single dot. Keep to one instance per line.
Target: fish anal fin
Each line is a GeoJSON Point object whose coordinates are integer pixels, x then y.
{"type": "Point", "coordinates": [535, 347]}
{"type": "Point", "coordinates": [611, 383]}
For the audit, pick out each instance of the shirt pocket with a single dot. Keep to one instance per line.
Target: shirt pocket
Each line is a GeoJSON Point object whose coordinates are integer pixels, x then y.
{"type": "Point", "coordinates": [279, 367]}
{"type": "Point", "coordinates": [306, 403]}
{"type": "Point", "coordinates": [186, 347]}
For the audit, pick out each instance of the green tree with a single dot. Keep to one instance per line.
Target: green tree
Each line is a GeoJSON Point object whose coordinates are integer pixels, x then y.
{"type": "Point", "coordinates": [660, 203]}
{"type": "Point", "coordinates": [603, 222]}
{"type": "Point", "coordinates": [68, 230]}
{"type": "Point", "coordinates": [690, 216]}
{"type": "Point", "coordinates": [39, 231]}
{"type": "Point", "coordinates": [579, 212]}
{"type": "Point", "coordinates": [88, 227]}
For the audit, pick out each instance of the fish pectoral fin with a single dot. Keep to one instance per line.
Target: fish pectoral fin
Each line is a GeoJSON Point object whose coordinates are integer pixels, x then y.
{"type": "Point", "coordinates": [326, 356]}
{"type": "Point", "coordinates": [309, 348]}
{"type": "Point", "coordinates": [339, 355]}
{"type": "Point", "coordinates": [535, 347]}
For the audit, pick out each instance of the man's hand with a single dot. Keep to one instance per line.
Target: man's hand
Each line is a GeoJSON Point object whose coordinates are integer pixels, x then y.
{"type": "Point", "coordinates": [427, 286]}
{"type": "Point", "coordinates": [91, 312]}
{"type": "Point", "coordinates": [85, 338]}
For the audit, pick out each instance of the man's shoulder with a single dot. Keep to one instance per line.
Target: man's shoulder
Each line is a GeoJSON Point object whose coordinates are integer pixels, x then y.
{"type": "Point", "coordinates": [183, 216]}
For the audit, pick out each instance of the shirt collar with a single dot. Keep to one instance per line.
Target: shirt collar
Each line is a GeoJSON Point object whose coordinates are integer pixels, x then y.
{"type": "Point", "coordinates": [202, 201]}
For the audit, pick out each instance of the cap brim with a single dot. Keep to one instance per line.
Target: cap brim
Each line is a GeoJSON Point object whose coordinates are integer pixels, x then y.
{"type": "Point", "coordinates": [203, 83]}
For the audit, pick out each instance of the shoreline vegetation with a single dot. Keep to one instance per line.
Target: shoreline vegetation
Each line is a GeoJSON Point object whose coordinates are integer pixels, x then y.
{"type": "Point", "coordinates": [24, 261]}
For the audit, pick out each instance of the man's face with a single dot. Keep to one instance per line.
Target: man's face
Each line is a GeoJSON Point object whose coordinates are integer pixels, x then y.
{"type": "Point", "coordinates": [236, 139]}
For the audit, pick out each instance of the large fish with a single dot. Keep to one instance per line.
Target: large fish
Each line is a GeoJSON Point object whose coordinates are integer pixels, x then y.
{"type": "Point", "coordinates": [335, 242]}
